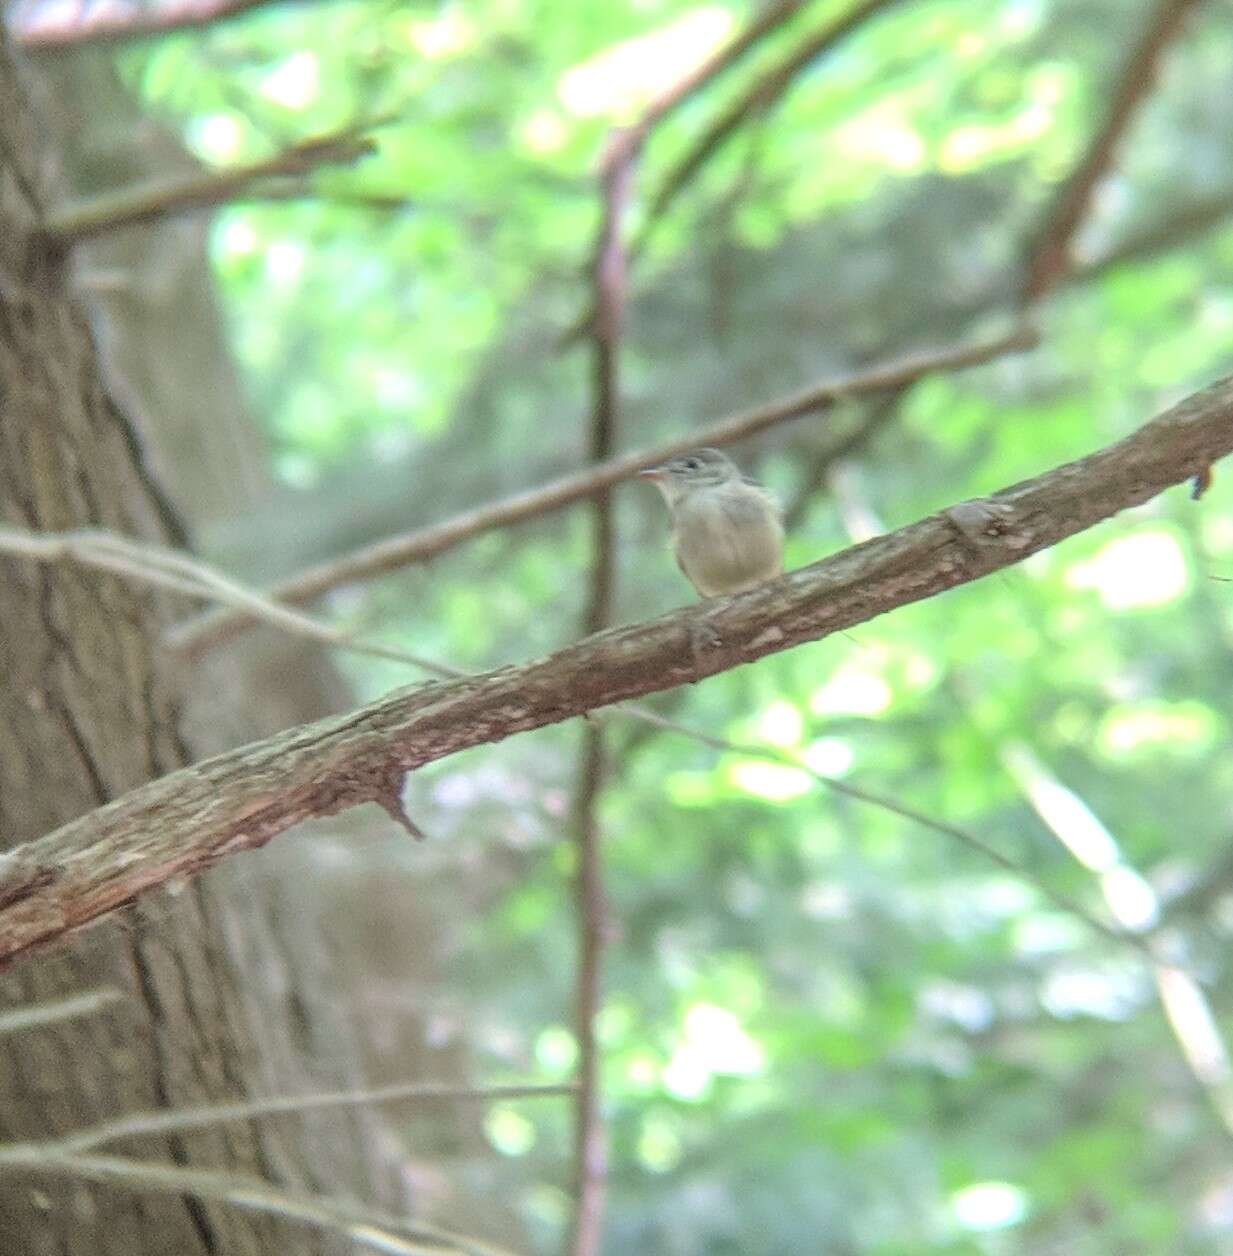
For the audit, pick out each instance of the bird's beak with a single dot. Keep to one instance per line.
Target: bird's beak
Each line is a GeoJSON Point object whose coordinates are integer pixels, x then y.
{"type": "Point", "coordinates": [651, 473]}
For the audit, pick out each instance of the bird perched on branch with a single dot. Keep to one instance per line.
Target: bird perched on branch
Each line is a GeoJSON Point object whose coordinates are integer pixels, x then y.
{"type": "Point", "coordinates": [726, 529]}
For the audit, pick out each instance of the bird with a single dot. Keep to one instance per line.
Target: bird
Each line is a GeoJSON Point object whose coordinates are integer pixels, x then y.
{"type": "Point", "coordinates": [727, 531]}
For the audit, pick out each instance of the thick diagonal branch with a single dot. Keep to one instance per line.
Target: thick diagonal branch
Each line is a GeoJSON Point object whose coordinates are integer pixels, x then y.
{"type": "Point", "coordinates": [191, 819]}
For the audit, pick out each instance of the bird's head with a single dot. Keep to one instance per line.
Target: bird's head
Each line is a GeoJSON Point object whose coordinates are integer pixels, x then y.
{"type": "Point", "coordinates": [701, 468]}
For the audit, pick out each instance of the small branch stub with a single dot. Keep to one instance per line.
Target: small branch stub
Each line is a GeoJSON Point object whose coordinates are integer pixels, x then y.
{"type": "Point", "coordinates": [389, 799]}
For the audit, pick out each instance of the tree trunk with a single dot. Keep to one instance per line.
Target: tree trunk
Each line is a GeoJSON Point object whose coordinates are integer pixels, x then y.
{"type": "Point", "coordinates": [85, 715]}
{"type": "Point", "coordinates": [264, 951]}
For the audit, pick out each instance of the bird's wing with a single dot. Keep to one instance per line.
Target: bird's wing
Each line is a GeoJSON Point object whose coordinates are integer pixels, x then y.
{"type": "Point", "coordinates": [748, 510]}
{"type": "Point", "coordinates": [750, 482]}
{"type": "Point", "coordinates": [680, 562]}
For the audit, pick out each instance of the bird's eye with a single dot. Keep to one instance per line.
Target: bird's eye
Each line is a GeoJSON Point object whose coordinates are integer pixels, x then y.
{"type": "Point", "coordinates": [691, 464]}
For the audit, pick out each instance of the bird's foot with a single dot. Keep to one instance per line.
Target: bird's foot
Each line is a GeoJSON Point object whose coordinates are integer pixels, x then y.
{"type": "Point", "coordinates": [704, 640]}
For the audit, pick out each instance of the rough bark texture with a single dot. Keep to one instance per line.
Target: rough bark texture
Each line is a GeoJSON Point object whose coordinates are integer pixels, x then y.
{"type": "Point", "coordinates": [190, 820]}
{"type": "Point", "coordinates": [84, 716]}
{"type": "Point", "coordinates": [310, 946]}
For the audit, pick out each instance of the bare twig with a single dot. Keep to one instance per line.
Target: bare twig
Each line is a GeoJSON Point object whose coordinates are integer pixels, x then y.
{"type": "Point", "coordinates": [17, 1020]}
{"type": "Point", "coordinates": [826, 455]}
{"type": "Point", "coordinates": [168, 569]}
{"type": "Point", "coordinates": [107, 24]}
{"type": "Point", "coordinates": [1205, 889]}
{"type": "Point", "coordinates": [150, 202]}
{"type": "Point", "coordinates": [775, 754]}
{"type": "Point", "coordinates": [195, 1118]}
{"type": "Point", "coordinates": [1186, 1008]}
{"type": "Point", "coordinates": [625, 146]}
{"type": "Point", "coordinates": [765, 91]}
{"type": "Point", "coordinates": [394, 552]}
{"type": "Point", "coordinates": [189, 820]}
{"type": "Point", "coordinates": [608, 280]}
{"type": "Point", "coordinates": [590, 1139]}
{"type": "Point", "coordinates": [1177, 228]}
{"type": "Point", "coordinates": [367, 1227]}
{"type": "Point", "coordinates": [629, 142]}
{"type": "Point", "coordinates": [1131, 901]}
{"type": "Point", "coordinates": [1049, 257]}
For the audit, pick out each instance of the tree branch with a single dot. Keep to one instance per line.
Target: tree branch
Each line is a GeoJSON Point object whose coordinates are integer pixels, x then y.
{"type": "Point", "coordinates": [608, 283]}
{"type": "Point", "coordinates": [760, 96]}
{"type": "Point", "coordinates": [365, 1227]}
{"type": "Point", "coordinates": [148, 203]}
{"type": "Point", "coordinates": [168, 569]}
{"type": "Point", "coordinates": [189, 820]}
{"type": "Point", "coordinates": [629, 143]}
{"type": "Point", "coordinates": [1158, 237]}
{"type": "Point", "coordinates": [1134, 904]}
{"type": "Point", "coordinates": [137, 22]}
{"type": "Point", "coordinates": [626, 146]}
{"type": "Point", "coordinates": [394, 552]}
{"type": "Point", "coordinates": [17, 1020]}
{"type": "Point", "coordinates": [774, 754]}
{"type": "Point", "coordinates": [1049, 257]}
{"type": "Point", "coordinates": [195, 1118]}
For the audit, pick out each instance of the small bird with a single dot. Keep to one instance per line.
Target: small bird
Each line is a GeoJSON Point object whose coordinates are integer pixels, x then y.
{"type": "Point", "coordinates": [726, 529]}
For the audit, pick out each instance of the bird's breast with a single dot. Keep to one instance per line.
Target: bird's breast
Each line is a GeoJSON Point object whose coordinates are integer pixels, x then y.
{"type": "Point", "coordinates": [728, 539]}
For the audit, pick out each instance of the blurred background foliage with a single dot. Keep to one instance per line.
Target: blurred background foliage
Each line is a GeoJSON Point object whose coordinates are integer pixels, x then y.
{"type": "Point", "coordinates": [825, 1027]}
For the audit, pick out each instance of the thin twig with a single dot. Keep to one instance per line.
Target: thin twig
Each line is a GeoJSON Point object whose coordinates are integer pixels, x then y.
{"type": "Point", "coordinates": [187, 821]}
{"type": "Point", "coordinates": [1131, 899]}
{"type": "Point", "coordinates": [1049, 257]}
{"type": "Point", "coordinates": [763, 93]}
{"type": "Point", "coordinates": [392, 553]}
{"type": "Point", "coordinates": [1187, 1011]}
{"type": "Point", "coordinates": [590, 909]}
{"type": "Point", "coordinates": [1147, 241]}
{"type": "Point", "coordinates": [34, 1015]}
{"type": "Point", "coordinates": [823, 459]}
{"type": "Point", "coordinates": [175, 572]}
{"type": "Point", "coordinates": [626, 145]}
{"type": "Point", "coordinates": [147, 203]}
{"type": "Point", "coordinates": [367, 1227]}
{"type": "Point", "coordinates": [194, 1118]}
{"type": "Point", "coordinates": [608, 281]}
{"type": "Point", "coordinates": [630, 141]}
{"type": "Point", "coordinates": [138, 21]}
{"type": "Point", "coordinates": [776, 754]}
